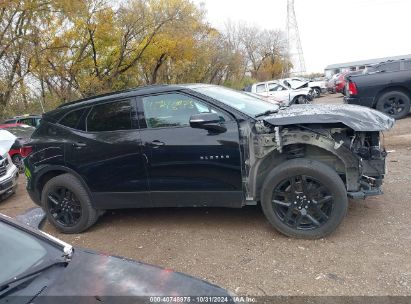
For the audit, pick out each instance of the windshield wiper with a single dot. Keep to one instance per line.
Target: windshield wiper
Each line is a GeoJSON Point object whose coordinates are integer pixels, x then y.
{"type": "Point", "coordinates": [266, 113]}
{"type": "Point", "coordinates": [6, 286]}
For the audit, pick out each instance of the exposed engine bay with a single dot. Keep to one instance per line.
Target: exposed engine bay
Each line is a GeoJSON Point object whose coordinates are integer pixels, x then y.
{"type": "Point", "coordinates": [357, 156]}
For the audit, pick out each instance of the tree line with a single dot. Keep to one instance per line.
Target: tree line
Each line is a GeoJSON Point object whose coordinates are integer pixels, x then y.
{"type": "Point", "coordinates": [54, 51]}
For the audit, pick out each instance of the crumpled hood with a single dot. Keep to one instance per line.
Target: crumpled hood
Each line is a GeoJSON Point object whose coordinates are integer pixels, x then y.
{"type": "Point", "coordinates": [296, 86]}
{"type": "Point", "coordinates": [357, 118]}
{"type": "Point", "coordinates": [98, 275]}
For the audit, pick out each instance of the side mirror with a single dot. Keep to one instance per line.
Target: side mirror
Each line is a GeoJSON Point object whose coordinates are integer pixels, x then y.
{"type": "Point", "coordinates": [207, 121]}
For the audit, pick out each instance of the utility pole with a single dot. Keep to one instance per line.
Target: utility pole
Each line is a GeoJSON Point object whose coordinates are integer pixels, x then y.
{"type": "Point", "coordinates": [294, 48]}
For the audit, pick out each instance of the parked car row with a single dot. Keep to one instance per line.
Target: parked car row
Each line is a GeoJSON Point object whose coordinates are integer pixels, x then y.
{"type": "Point", "coordinates": [385, 87]}
{"type": "Point", "coordinates": [17, 151]}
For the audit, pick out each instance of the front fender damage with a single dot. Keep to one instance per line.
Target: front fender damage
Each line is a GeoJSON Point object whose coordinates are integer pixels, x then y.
{"type": "Point", "coordinates": [363, 169]}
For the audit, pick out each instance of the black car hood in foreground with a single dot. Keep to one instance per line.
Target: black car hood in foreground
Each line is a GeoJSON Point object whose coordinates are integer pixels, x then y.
{"type": "Point", "coordinates": [356, 117]}
{"type": "Point", "coordinates": [95, 275]}
{"type": "Point", "coordinates": [92, 277]}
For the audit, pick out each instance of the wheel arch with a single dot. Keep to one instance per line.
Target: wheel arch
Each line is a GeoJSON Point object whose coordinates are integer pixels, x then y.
{"type": "Point", "coordinates": [400, 88]}
{"type": "Point", "coordinates": [338, 157]}
{"type": "Point", "coordinates": [52, 171]}
{"type": "Point", "coordinates": [296, 98]}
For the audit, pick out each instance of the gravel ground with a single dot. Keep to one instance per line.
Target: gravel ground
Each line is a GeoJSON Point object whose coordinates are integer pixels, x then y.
{"type": "Point", "coordinates": [237, 249]}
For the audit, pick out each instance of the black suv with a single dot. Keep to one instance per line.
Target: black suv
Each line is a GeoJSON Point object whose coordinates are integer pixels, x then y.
{"type": "Point", "coordinates": [385, 87]}
{"type": "Point", "coordinates": [204, 145]}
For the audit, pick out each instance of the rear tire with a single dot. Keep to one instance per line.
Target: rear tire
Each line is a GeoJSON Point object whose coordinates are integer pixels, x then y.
{"type": "Point", "coordinates": [394, 103]}
{"type": "Point", "coordinates": [67, 204]}
{"type": "Point", "coordinates": [304, 198]}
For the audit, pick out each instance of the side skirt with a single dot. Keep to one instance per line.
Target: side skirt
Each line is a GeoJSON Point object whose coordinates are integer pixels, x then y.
{"type": "Point", "coordinates": [124, 200]}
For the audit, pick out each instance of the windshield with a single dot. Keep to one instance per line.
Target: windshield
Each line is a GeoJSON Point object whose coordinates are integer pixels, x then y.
{"type": "Point", "coordinates": [243, 102]}
{"type": "Point", "coordinates": [21, 131]}
{"type": "Point", "coordinates": [19, 252]}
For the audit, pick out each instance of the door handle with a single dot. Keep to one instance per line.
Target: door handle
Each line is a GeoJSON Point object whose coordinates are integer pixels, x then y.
{"type": "Point", "coordinates": [79, 145]}
{"type": "Point", "coordinates": [157, 143]}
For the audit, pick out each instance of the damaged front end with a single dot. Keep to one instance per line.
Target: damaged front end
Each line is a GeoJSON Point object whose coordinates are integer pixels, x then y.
{"type": "Point", "coordinates": [371, 153]}
{"type": "Point", "coordinates": [356, 153]}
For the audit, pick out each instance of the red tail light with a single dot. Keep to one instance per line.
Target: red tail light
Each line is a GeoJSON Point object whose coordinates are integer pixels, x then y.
{"type": "Point", "coordinates": [352, 88]}
{"type": "Point", "coordinates": [26, 151]}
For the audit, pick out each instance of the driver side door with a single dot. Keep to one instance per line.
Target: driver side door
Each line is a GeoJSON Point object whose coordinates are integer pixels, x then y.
{"type": "Point", "coordinates": [188, 166]}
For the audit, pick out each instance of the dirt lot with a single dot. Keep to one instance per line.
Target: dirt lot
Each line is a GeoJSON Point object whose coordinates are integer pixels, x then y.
{"type": "Point", "coordinates": [237, 249]}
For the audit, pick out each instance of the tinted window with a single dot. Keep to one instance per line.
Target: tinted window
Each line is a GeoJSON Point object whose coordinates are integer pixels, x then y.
{"type": "Point", "coordinates": [72, 119]}
{"type": "Point", "coordinates": [110, 117]}
{"type": "Point", "coordinates": [407, 65]}
{"type": "Point", "coordinates": [243, 102]}
{"type": "Point", "coordinates": [260, 88]}
{"type": "Point", "coordinates": [27, 121]}
{"type": "Point", "coordinates": [174, 110]}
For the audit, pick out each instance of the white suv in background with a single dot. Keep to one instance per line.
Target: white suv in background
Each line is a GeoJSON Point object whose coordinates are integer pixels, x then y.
{"type": "Point", "coordinates": [284, 95]}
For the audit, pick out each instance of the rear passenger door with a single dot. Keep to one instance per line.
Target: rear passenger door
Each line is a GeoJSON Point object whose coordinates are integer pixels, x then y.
{"type": "Point", "coordinates": [105, 149]}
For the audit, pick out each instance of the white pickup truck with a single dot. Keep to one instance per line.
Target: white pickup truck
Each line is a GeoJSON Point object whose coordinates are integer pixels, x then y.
{"type": "Point", "coordinates": [298, 83]}
{"type": "Point", "coordinates": [284, 95]}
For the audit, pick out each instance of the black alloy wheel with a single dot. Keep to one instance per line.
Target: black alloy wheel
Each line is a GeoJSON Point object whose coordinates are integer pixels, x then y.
{"type": "Point", "coordinates": [64, 206]}
{"type": "Point", "coordinates": [67, 204]}
{"type": "Point", "coordinates": [395, 104]}
{"type": "Point", "coordinates": [302, 202]}
{"type": "Point", "coordinates": [304, 198]}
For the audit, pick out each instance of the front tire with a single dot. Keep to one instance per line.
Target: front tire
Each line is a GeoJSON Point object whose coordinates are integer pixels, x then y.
{"type": "Point", "coordinates": [395, 104]}
{"type": "Point", "coordinates": [67, 204]}
{"type": "Point", "coordinates": [301, 99]}
{"type": "Point", "coordinates": [304, 198]}
{"type": "Point", "coordinates": [317, 92]}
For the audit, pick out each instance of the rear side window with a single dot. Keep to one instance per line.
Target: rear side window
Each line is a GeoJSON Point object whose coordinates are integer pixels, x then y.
{"type": "Point", "coordinates": [72, 119]}
{"type": "Point", "coordinates": [27, 121]}
{"type": "Point", "coordinates": [407, 65]}
{"type": "Point", "coordinates": [110, 117]}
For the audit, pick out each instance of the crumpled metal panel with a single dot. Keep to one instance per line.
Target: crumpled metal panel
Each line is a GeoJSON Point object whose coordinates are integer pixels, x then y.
{"type": "Point", "coordinates": [357, 118]}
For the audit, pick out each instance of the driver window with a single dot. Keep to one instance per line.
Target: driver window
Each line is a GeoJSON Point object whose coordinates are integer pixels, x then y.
{"type": "Point", "coordinates": [174, 110]}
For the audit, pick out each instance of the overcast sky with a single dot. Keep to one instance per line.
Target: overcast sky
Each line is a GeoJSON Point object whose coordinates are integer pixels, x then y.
{"type": "Point", "coordinates": [331, 31]}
